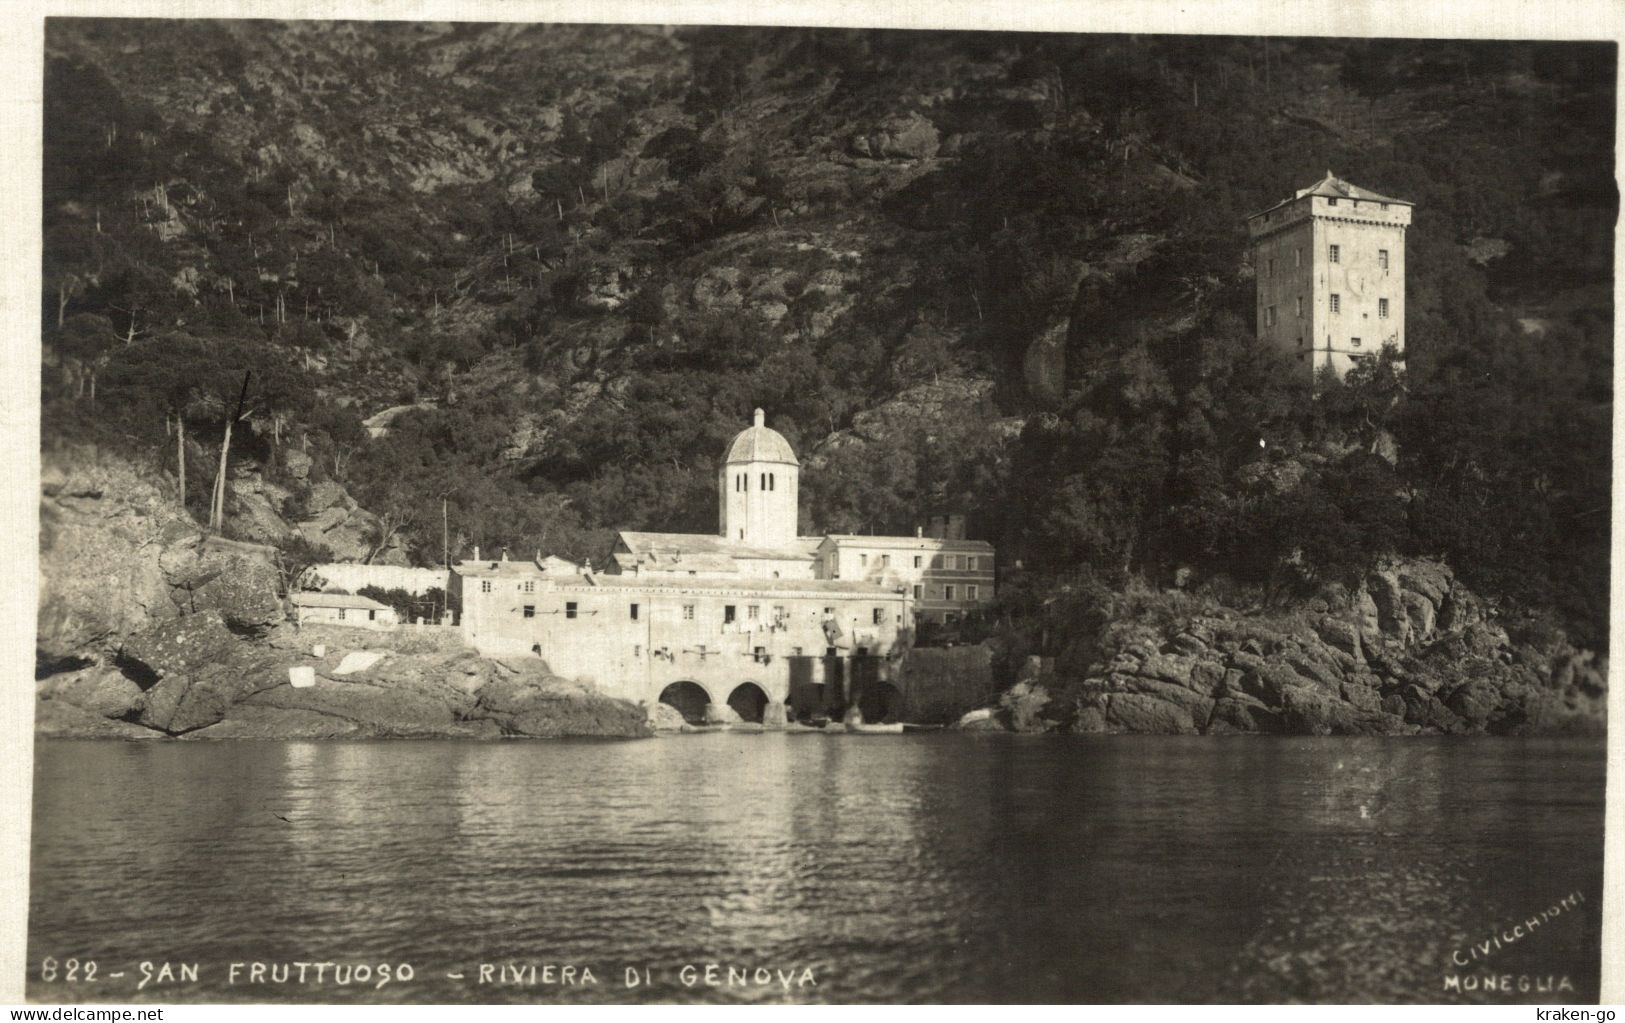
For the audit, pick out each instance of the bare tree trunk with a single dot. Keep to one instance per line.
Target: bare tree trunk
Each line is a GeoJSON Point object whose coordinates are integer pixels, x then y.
{"type": "Point", "coordinates": [180, 454]}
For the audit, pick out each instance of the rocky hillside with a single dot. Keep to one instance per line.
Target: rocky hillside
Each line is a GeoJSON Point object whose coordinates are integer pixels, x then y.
{"type": "Point", "coordinates": [150, 628]}
{"type": "Point", "coordinates": [525, 281]}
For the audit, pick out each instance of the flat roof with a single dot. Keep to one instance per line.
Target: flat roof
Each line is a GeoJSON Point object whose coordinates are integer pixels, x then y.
{"type": "Point", "coordinates": [858, 539]}
{"type": "Point", "coordinates": [338, 600]}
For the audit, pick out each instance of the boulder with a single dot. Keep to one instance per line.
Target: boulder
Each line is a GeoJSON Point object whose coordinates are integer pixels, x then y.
{"type": "Point", "coordinates": [1138, 712]}
{"type": "Point", "coordinates": [58, 719]}
{"type": "Point", "coordinates": [981, 719]}
{"type": "Point", "coordinates": [359, 660]}
{"type": "Point", "coordinates": [666, 718]}
{"type": "Point", "coordinates": [1427, 578]}
{"type": "Point", "coordinates": [1023, 705]}
{"type": "Point", "coordinates": [1340, 635]}
{"type": "Point", "coordinates": [238, 581]}
{"type": "Point", "coordinates": [1242, 714]}
{"type": "Point", "coordinates": [373, 710]}
{"type": "Point", "coordinates": [198, 669]}
{"type": "Point", "coordinates": [99, 689]}
{"type": "Point", "coordinates": [1421, 614]}
{"type": "Point", "coordinates": [539, 704]}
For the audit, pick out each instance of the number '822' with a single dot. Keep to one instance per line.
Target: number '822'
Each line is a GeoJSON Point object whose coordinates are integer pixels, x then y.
{"type": "Point", "coordinates": [69, 970]}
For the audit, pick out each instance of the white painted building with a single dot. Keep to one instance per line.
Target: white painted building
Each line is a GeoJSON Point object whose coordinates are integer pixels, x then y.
{"type": "Point", "coordinates": [342, 609]}
{"type": "Point", "coordinates": [754, 616]}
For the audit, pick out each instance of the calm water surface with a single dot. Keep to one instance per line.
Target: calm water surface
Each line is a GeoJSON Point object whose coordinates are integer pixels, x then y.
{"type": "Point", "coordinates": [940, 867]}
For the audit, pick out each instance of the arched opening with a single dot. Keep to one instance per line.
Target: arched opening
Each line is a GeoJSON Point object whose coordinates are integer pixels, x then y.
{"type": "Point", "coordinates": [748, 701]}
{"type": "Point", "coordinates": [689, 698]}
{"type": "Point", "coordinates": [880, 701]}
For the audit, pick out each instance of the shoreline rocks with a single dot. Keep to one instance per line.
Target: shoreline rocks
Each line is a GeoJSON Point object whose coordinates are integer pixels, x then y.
{"type": "Point", "coordinates": [1410, 652]}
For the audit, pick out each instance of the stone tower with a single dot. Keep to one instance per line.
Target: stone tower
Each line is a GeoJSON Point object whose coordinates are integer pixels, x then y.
{"type": "Point", "coordinates": [757, 488]}
{"type": "Point", "coordinates": [1330, 266]}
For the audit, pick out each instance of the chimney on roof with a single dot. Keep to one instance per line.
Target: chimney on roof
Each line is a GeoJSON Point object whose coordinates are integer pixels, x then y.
{"type": "Point", "coordinates": [504, 554]}
{"type": "Point", "coordinates": [476, 552]}
{"type": "Point", "coordinates": [919, 531]}
{"type": "Point", "coordinates": [760, 418]}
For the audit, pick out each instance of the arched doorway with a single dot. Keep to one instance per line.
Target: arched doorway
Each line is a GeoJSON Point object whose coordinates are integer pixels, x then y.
{"type": "Point", "coordinates": [748, 701]}
{"type": "Point", "coordinates": [690, 699]}
{"type": "Point", "coordinates": [879, 701]}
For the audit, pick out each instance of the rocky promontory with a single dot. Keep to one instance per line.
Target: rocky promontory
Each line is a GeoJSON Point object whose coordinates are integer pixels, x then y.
{"type": "Point", "coordinates": [1411, 650]}
{"type": "Point", "coordinates": [149, 628]}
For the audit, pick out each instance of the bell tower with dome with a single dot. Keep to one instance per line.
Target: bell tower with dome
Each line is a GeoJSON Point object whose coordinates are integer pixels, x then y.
{"type": "Point", "coordinates": [757, 488]}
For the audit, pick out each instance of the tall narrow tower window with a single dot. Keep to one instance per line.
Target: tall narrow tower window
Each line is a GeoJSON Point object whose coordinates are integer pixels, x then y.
{"type": "Point", "coordinates": [1382, 308]}
{"type": "Point", "coordinates": [764, 481]}
{"type": "Point", "coordinates": [1297, 256]}
{"type": "Point", "coordinates": [1382, 257]}
{"type": "Point", "coordinates": [1337, 303]}
{"type": "Point", "coordinates": [1272, 268]}
{"type": "Point", "coordinates": [1300, 307]}
{"type": "Point", "coordinates": [1335, 254]}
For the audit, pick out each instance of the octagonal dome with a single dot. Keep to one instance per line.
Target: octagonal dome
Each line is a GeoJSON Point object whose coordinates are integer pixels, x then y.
{"type": "Point", "coordinates": [758, 443]}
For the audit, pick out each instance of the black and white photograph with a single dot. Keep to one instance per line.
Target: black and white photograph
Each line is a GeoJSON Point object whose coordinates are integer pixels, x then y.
{"type": "Point", "coordinates": [553, 513]}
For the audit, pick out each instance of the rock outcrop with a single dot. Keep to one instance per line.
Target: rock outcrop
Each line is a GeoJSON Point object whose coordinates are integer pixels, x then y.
{"type": "Point", "coordinates": [1411, 651]}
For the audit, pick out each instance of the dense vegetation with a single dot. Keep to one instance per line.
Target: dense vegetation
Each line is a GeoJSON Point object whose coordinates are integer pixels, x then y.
{"type": "Point", "coordinates": [583, 255]}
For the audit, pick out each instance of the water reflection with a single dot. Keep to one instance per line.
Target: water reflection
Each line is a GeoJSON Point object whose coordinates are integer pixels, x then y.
{"type": "Point", "coordinates": [947, 867]}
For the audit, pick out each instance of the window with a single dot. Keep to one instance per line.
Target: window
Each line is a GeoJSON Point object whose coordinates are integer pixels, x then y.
{"type": "Point", "coordinates": [727, 614]}
{"type": "Point", "coordinates": [947, 593]}
{"type": "Point", "coordinates": [753, 611]}
{"type": "Point", "coordinates": [485, 586]}
{"type": "Point", "coordinates": [1300, 307]}
{"type": "Point", "coordinates": [1384, 205]}
{"type": "Point", "coordinates": [1337, 303]}
{"type": "Point", "coordinates": [970, 592]}
{"type": "Point", "coordinates": [1382, 258]}
{"type": "Point", "coordinates": [919, 591]}
{"type": "Point", "coordinates": [341, 614]}
{"type": "Point", "coordinates": [1382, 308]}
{"type": "Point", "coordinates": [530, 587]}
{"type": "Point", "coordinates": [778, 612]}
{"type": "Point", "coordinates": [953, 561]}
{"type": "Point", "coordinates": [688, 612]}
{"type": "Point", "coordinates": [916, 561]}
{"type": "Point", "coordinates": [1271, 270]}
{"type": "Point", "coordinates": [530, 610]}
{"type": "Point", "coordinates": [1331, 202]}
{"type": "Point", "coordinates": [770, 483]}
{"type": "Point", "coordinates": [885, 561]}
{"type": "Point", "coordinates": [1336, 253]}
{"type": "Point", "coordinates": [634, 612]}
{"type": "Point", "coordinates": [372, 615]}
{"type": "Point", "coordinates": [1297, 256]}
{"type": "Point", "coordinates": [637, 650]}
{"type": "Point", "coordinates": [863, 560]}
{"type": "Point", "coordinates": [970, 562]}
{"type": "Point", "coordinates": [1300, 345]}
{"type": "Point", "coordinates": [1354, 341]}
{"type": "Point", "coordinates": [1269, 316]}
{"type": "Point", "coordinates": [878, 614]}
{"type": "Point", "coordinates": [764, 481]}
{"type": "Point", "coordinates": [570, 609]}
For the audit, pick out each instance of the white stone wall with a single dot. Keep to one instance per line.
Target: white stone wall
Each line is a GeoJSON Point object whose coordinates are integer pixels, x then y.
{"type": "Point", "coordinates": [352, 577]}
{"type": "Point", "coordinates": [635, 658]}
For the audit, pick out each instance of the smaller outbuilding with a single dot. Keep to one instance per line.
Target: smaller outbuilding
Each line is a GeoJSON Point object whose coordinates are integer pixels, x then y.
{"type": "Point", "coordinates": [342, 609]}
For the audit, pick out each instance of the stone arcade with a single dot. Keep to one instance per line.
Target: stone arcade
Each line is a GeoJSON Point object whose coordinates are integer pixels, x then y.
{"type": "Point", "coordinates": [754, 617]}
